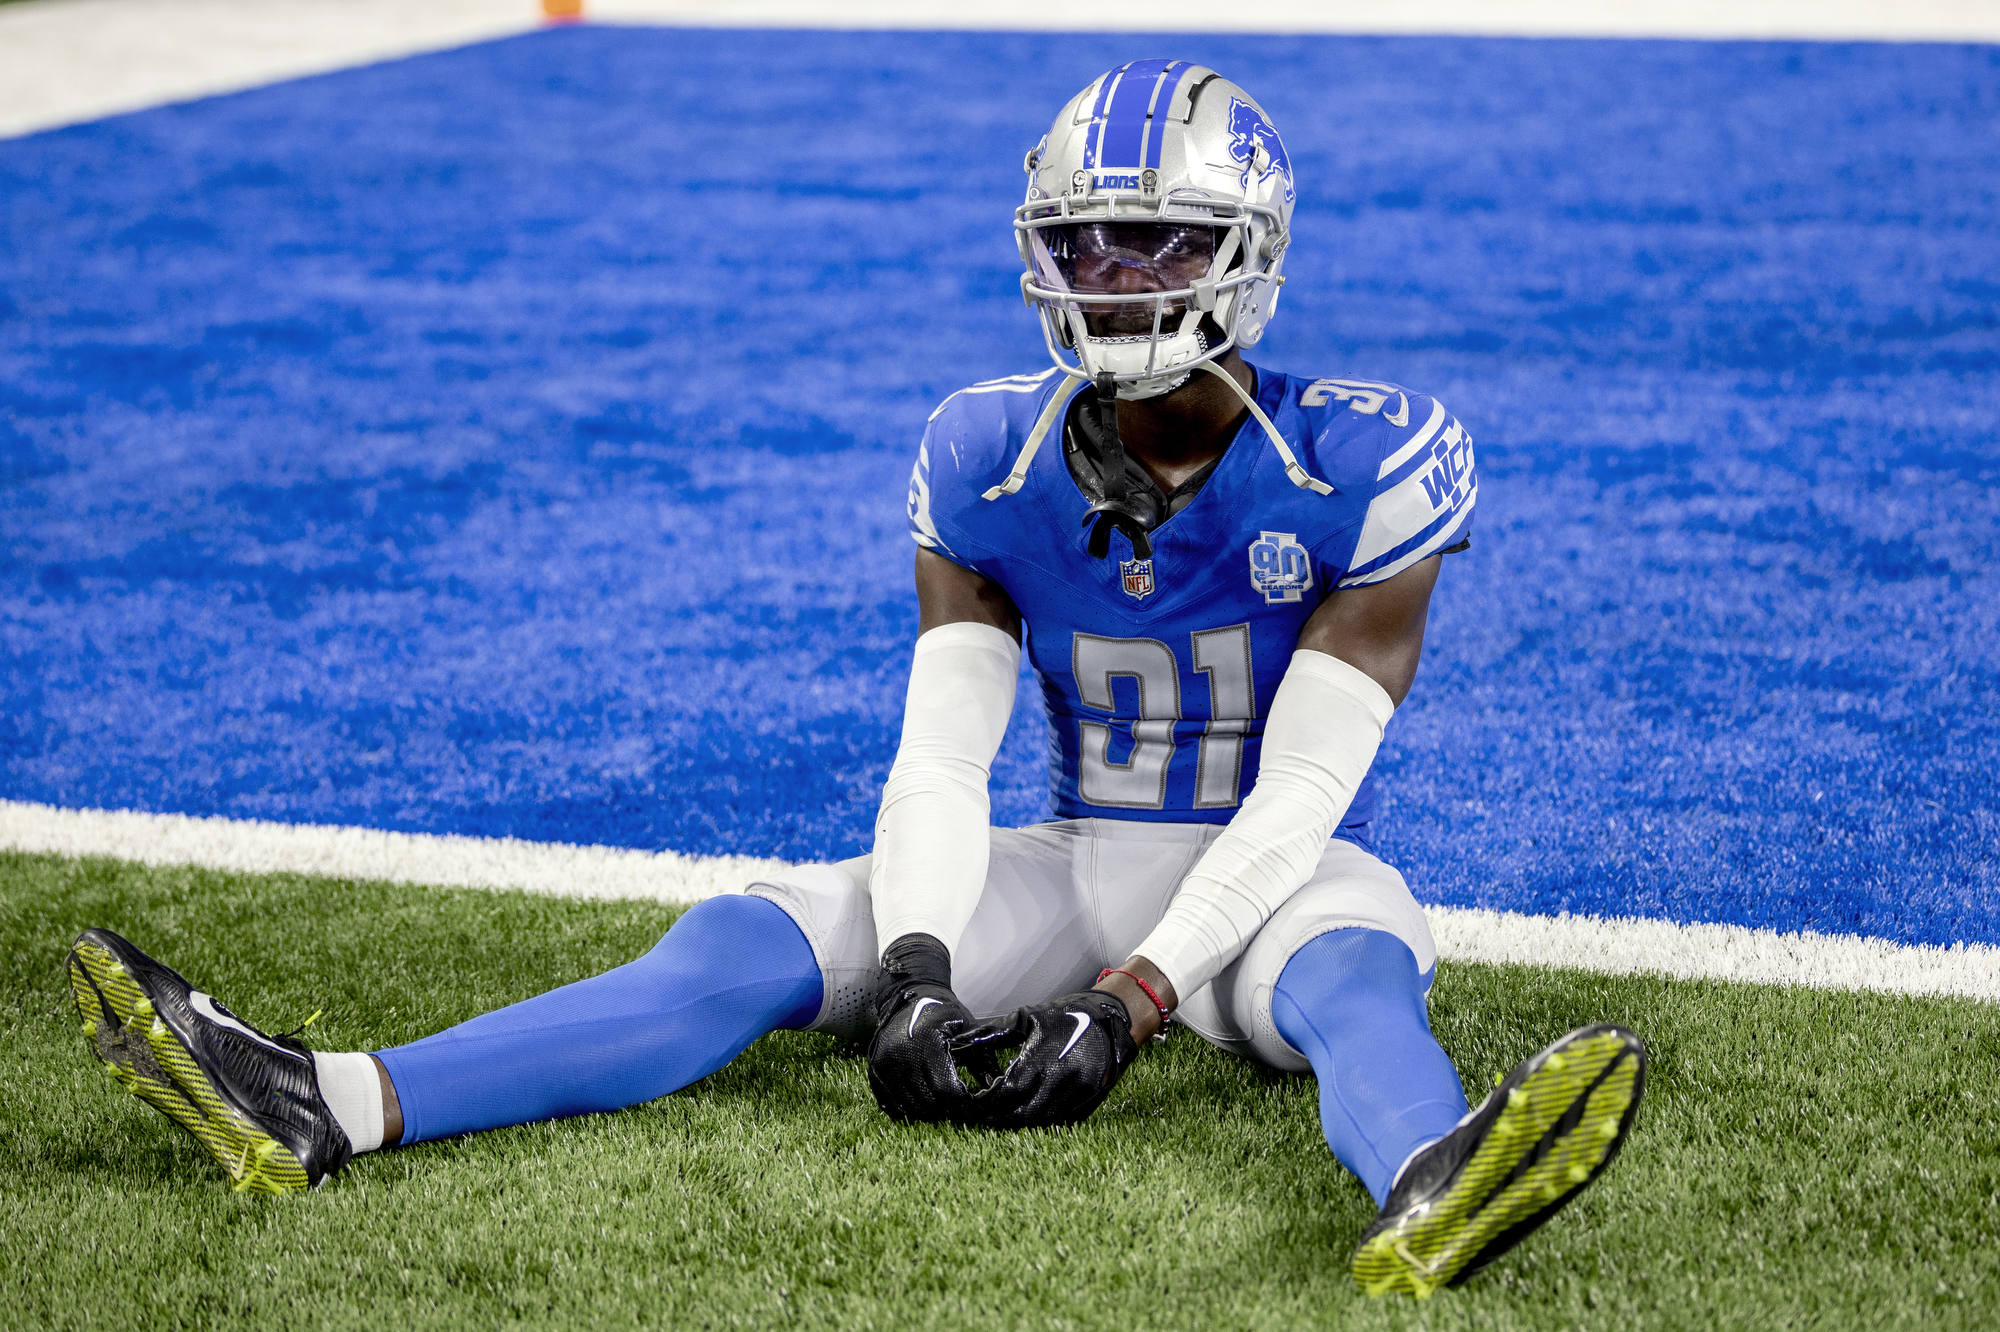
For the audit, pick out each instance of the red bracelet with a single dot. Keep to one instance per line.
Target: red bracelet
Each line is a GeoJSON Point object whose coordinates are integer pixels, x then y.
{"type": "Point", "coordinates": [1166, 1015]}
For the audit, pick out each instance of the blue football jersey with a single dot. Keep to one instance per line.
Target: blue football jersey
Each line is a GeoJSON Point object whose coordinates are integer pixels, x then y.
{"type": "Point", "coordinates": [1158, 673]}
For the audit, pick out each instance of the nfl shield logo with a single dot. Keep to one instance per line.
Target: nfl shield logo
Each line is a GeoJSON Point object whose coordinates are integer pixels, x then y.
{"type": "Point", "coordinates": [1138, 575]}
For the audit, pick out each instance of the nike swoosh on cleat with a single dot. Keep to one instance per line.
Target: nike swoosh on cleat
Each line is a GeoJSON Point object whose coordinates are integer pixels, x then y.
{"type": "Point", "coordinates": [222, 1017]}
{"type": "Point", "coordinates": [918, 1012]}
{"type": "Point", "coordinates": [1082, 1025]}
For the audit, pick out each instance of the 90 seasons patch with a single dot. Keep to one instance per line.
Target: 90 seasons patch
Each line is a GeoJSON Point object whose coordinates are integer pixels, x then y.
{"type": "Point", "coordinates": [1280, 567]}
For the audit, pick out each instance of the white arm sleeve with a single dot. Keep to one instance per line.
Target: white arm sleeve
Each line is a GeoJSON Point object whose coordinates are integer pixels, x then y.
{"type": "Point", "coordinates": [931, 837]}
{"type": "Point", "coordinates": [1325, 725]}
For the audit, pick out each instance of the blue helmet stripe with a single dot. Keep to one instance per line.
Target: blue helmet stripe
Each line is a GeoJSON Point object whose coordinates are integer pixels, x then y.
{"type": "Point", "coordinates": [1125, 118]}
{"type": "Point", "coordinates": [1095, 138]}
{"type": "Point", "coordinates": [1163, 102]}
{"type": "Point", "coordinates": [1156, 120]}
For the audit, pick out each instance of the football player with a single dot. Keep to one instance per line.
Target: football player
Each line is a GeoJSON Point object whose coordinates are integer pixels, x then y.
{"type": "Point", "coordinates": [1221, 575]}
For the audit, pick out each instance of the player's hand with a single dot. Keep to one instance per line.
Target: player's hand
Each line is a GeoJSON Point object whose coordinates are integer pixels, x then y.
{"type": "Point", "coordinates": [1072, 1052]}
{"type": "Point", "coordinates": [911, 1067]}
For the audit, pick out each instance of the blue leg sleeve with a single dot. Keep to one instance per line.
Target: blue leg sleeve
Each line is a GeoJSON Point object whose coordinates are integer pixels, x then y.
{"type": "Point", "coordinates": [1352, 1002]}
{"type": "Point", "coordinates": [729, 970]}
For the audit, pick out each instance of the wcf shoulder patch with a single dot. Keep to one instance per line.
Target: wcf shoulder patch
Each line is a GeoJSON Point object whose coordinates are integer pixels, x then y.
{"type": "Point", "coordinates": [1280, 568]}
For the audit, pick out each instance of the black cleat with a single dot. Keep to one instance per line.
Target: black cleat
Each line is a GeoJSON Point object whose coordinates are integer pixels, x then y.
{"type": "Point", "coordinates": [1546, 1131]}
{"type": "Point", "coordinates": [252, 1099]}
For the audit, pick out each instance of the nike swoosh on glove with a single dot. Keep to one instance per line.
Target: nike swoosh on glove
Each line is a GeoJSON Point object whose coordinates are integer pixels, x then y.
{"type": "Point", "coordinates": [911, 1067]}
{"type": "Point", "coordinates": [1072, 1052]}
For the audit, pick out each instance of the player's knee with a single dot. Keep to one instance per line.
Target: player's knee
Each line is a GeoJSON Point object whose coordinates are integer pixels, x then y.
{"type": "Point", "coordinates": [736, 931]}
{"type": "Point", "coordinates": [738, 946]}
{"type": "Point", "coordinates": [1349, 970]}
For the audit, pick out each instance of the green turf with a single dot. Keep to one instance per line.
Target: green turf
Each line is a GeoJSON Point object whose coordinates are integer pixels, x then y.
{"type": "Point", "coordinates": [1803, 1159]}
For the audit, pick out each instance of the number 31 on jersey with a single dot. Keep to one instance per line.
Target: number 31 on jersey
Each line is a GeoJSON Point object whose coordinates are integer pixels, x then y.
{"type": "Point", "coordinates": [1140, 782]}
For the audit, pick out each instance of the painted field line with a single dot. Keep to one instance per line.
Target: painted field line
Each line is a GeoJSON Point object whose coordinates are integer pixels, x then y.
{"type": "Point", "coordinates": [1583, 943]}
{"type": "Point", "coordinates": [1629, 947]}
{"type": "Point", "coordinates": [63, 62]}
{"type": "Point", "coordinates": [253, 846]}
{"type": "Point", "coordinates": [1811, 20]}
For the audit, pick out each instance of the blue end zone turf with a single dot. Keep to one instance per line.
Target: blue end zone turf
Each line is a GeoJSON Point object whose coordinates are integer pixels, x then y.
{"type": "Point", "coordinates": [513, 441]}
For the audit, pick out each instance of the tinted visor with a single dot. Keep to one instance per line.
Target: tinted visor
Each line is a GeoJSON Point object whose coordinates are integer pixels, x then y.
{"type": "Point", "coordinates": [1123, 258]}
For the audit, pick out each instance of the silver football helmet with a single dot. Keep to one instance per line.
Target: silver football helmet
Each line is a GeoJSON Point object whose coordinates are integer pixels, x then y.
{"type": "Point", "coordinates": [1161, 196]}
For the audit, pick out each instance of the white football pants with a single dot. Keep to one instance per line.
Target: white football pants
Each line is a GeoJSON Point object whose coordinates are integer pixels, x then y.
{"type": "Point", "coordinates": [1065, 900]}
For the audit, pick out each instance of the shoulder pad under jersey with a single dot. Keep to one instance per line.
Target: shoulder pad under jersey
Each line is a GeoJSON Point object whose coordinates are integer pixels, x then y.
{"type": "Point", "coordinates": [972, 441]}
{"type": "Point", "coordinates": [1409, 455]}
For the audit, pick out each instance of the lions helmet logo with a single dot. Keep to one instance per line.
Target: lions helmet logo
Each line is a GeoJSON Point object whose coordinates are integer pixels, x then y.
{"type": "Point", "coordinates": [1248, 132]}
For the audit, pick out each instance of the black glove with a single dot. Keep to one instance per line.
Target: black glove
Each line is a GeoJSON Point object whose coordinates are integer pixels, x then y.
{"type": "Point", "coordinates": [911, 1068]}
{"type": "Point", "coordinates": [1073, 1050]}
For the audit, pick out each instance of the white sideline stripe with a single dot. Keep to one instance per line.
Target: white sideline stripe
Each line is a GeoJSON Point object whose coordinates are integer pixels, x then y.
{"type": "Point", "coordinates": [67, 61]}
{"type": "Point", "coordinates": [63, 62]}
{"type": "Point", "coordinates": [1627, 947]}
{"type": "Point", "coordinates": [1615, 947]}
{"type": "Point", "coordinates": [1892, 20]}
{"type": "Point", "coordinates": [253, 846]}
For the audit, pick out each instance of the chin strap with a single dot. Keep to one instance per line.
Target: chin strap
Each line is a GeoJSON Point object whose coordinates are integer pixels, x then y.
{"type": "Point", "coordinates": [1035, 437]}
{"type": "Point", "coordinates": [1300, 477]}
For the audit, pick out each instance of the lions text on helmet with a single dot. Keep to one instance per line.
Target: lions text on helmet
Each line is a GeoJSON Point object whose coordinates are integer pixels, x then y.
{"type": "Point", "coordinates": [1158, 211]}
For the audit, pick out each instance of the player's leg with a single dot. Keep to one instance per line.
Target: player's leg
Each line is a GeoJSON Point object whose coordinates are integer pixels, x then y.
{"type": "Point", "coordinates": [731, 969]}
{"type": "Point", "coordinates": [1047, 925]}
{"type": "Point", "coordinates": [1352, 1002]}
{"type": "Point", "coordinates": [278, 1117]}
{"type": "Point", "coordinates": [1034, 935]}
{"type": "Point", "coordinates": [1336, 981]}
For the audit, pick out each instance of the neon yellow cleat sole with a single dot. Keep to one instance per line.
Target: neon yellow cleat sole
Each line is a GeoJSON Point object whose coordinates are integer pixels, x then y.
{"type": "Point", "coordinates": [1547, 1131]}
{"type": "Point", "coordinates": [252, 1101]}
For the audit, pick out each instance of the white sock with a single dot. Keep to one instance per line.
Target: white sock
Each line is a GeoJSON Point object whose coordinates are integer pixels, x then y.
{"type": "Point", "coordinates": [352, 1089]}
